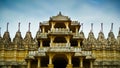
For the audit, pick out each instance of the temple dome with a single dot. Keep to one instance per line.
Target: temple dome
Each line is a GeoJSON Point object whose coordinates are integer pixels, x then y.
{"type": "Point", "coordinates": [60, 17]}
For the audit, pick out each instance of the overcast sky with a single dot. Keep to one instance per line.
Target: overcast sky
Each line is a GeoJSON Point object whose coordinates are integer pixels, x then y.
{"type": "Point", "coordinates": [84, 11]}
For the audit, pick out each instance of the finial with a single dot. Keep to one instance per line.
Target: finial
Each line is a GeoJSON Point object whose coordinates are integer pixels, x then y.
{"type": "Point", "coordinates": [29, 27]}
{"type": "Point", "coordinates": [101, 27]}
{"type": "Point", "coordinates": [19, 27]}
{"type": "Point", "coordinates": [60, 13]}
{"type": "Point", "coordinates": [119, 28]}
{"type": "Point", "coordinates": [111, 27]}
{"type": "Point", "coordinates": [39, 26]}
{"type": "Point", "coordinates": [91, 27]}
{"type": "Point", "coordinates": [82, 26]}
{"type": "Point", "coordinates": [7, 26]}
{"type": "Point", "coordinates": [119, 32]}
{"type": "Point", "coordinates": [0, 31]}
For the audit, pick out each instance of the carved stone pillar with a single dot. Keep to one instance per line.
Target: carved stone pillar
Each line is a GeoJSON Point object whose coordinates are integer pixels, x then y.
{"type": "Point", "coordinates": [9, 66]}
{"type": "Point", "coordinates": [50, 65]}
{"type": "Point", "coordinates": [29, 64]}
{"type": "Point", "coordinates": [41, 43]}
{"type": "Point", "coordinates": [69, 65]}
{"type": "Point", "coordinates": [67, 25]}
{"type": "Point", "coordinates": [81, 62]}
{"type": "Point", "coordinates": [52, 25]}
{"type": "Point", "coordinates": [39, 62]}
{"type": "Point", "coordinates": [91, 63]}
{"type": "Point", "coordinates": [79, 43]}
{"type": "Point", "coordinates": [76, 30]}
{"type": "Point", "coordinates": [51, 41]}
{"type": "Point", "coordinates": [43, 29]}
{"type": "Point", "coordinates": [68, 40]}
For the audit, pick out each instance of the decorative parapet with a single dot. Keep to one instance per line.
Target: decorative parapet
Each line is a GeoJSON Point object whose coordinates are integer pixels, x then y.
{"type": "Point", "coordinates": [59, 49]}
{"type": "Point", "coordinates": [42, 35]}
{"type": "Point", "coordinates": [60, 30]}
{"type": "Point", "coordinates": [60, 44]}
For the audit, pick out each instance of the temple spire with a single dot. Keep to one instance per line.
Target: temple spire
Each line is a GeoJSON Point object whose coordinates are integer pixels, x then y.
{"type": "Point", "coordinates": [7, 26]}
{"type": "Point", "coordinates": [39, 26]}
{"type": "Point", "coordinates": [19, 27]}
{"type": "Point", "coordinates": [119, 32]}
{"type": "Point", "coordinates": [0, 31]}
{"type": "Point", "coordinates": [29, 27]}
{"type": "Point", "coordinates": [60, 13]}
{"type": "Point", "coordinates": [101, 27]}
{"type": "Point", "coordinates": [82, 26]}
{"type": "Point", "coordinates": [111, 27]}
{"type": "Point", "coordinates": [91, 27]}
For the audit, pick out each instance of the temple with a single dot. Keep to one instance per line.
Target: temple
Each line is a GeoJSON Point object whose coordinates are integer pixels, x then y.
{"type": "Point", "coordinates": [59, 43]}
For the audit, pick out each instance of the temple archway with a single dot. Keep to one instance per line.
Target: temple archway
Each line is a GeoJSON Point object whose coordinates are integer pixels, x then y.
{"type": "Point", "coordinates": [60, 61]}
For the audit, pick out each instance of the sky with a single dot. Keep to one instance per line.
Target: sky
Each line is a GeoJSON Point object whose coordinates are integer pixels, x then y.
{"type": "Point", "coordinates": [83, 11]}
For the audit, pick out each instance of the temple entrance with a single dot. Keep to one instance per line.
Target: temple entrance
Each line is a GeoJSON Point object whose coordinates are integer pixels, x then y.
{"type": "Point", "coordinates": [86, 63]}
{"type": "Point", "coordinates": [60, 62]}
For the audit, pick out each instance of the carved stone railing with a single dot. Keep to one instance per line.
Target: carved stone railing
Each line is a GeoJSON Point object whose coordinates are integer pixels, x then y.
{"type": "Point", "coordinates": [43, 35]}
{"type": "Point", "coordinates": [87, 53]}
{"type": "Point", "coordinates": [77, 35]}
{"type": "Point", "coordinates": [60, 30]}
{"type": "Point", "coordinates": [60, 44]}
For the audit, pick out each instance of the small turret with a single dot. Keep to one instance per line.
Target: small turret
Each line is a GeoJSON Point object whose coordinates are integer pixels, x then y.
{"type": "Point", "coordinates": [38, 32]}
{"type": "Point", "coordinates": [0, 32]}
{"type": "Point", "coordinates": [111, 27]}
{"type": "Point", "coordinates": [101, 36]}
{"type": "Point", "coordinates": [91, 27]}
{"type": "Point", "coordinates": [91, 38]}
{"type": "Point", "coordinates": [28, 36]}
{"type": "Point", "coordinates": [6, 38]}
{"type": "Point", "coordinates": [111, 38]}
{"type": "Point", "coordinates": [119, 32]}
{"type": "Point", "coordinates": [101, 27]}
{"type": "Point", "coordinates": [18, 40]}
{"type": "Point", "coordinates": [118, 37]}
{"type": "Point", "coordinates": [29, 27]}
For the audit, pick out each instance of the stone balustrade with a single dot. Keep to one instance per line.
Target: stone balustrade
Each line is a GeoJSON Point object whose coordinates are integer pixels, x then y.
{"type": "Point", "coordinates": [60, 30]}
{"type": "Point", "coordinates": [60, 44]}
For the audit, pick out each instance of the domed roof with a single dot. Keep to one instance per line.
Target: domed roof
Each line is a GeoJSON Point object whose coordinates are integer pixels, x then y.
{"type": "Point", "coordinates": [60, 17]}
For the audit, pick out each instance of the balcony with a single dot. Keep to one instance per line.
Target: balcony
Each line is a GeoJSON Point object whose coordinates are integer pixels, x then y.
{"type": "Point", "coordinates": [60, 44]}
{"type": "Point", "coordinates": [43, 35]}
{"type": "Point", "coordinates": [60, 31]}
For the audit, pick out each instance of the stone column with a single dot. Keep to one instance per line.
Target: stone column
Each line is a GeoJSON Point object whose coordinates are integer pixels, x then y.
{"type": "Point", "coordinates": [9, 66]}
{"type": "Point", "coordinates": [51, 40]}
{"type": "Point", "coordinates": [81, 62]}
{"type": "Point", "coordinates": [43, 29]}
{"type": "Point", "coordinates": [39, 62]}
{"type": "Point", "coordinates": [91, 63]}
{"type": "Point", "coordinates": [41, 44]}
{"type": "Point", "coordinates": [69, 65]}
{"type": "Point", "coordinates": [52, 25]}
{"type": "Point", "coordinates": [76, 30]}
{"type": "Point", "coordinates": [66, 24]}
{"type": "Point", "coordinates": [29, 64]}
{"type": "Point", "coordinates": [50, 65]}
{"type": "Point", "coordinates": [79, 43]}
{"type": "Point", "coordinates": [68, 40]}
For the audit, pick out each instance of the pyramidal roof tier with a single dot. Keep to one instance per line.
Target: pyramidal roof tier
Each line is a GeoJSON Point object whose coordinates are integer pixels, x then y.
{"type": "Point", "coordinates": [60, 17]}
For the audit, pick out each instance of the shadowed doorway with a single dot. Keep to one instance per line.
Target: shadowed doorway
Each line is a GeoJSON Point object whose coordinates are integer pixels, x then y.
{"type": "Point", "coordinates": [60, 62]}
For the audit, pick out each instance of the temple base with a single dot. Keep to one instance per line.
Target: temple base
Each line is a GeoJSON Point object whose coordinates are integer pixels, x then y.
{"type": "Point", "coordinates": [69, 66]}
{"type": "Point", "coordinates": [50, 66]}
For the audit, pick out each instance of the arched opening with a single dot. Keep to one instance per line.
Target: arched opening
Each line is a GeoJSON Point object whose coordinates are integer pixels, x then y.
{"type": "Point", "coordinates": [75, 61]}
{"type": "Point", "coordinates": [86, 63]}
{"type": "Point", "coordinates": [60, 25]}
{"type": "Point", "coordinates": [60, 40]}
{"type": "Point", "coordinates": [60, 61]}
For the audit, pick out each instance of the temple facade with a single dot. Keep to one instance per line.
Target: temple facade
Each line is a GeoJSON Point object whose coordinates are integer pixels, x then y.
{"type": "Point", "coordinates": [59, 43]}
